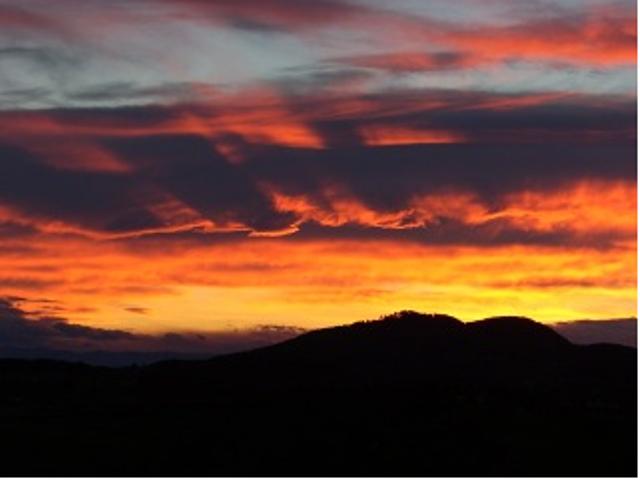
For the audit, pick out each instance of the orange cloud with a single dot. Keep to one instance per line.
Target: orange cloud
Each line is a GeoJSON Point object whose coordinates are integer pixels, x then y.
{"type": "Point", "coordinates": [389, 135]}
{"type": "Point", "coordinates": [340, 208]}
{"type": "Point", "coordinates": [596, 36]}
{"type": "Point", "coordinates": [604, 37]}
{"type": "Point", "coordinates": [187, 286]}
{"type": "Point", "coordinates": [584, 208]}
{"type": "Point", "coordinates": [259, 116]}
{"type": "Point", "coordinates": [264, 116]}
{"type": "Point", "coordinates": [131, 172]}
{"type": "Point", "coordinates": [196, 285]}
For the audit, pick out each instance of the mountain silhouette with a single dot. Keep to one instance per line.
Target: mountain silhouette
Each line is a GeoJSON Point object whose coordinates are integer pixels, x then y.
{"type": "Point", "coordinates": [409, 394]}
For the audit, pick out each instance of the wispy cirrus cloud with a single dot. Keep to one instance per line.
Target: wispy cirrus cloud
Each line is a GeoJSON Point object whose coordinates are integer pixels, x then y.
{"type": "Point", "coordinates": [387, 42]}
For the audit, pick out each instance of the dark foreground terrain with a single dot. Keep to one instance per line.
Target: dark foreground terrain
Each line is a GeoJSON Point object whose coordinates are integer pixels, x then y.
{"type": "Point", "coordinates": [407, 395]}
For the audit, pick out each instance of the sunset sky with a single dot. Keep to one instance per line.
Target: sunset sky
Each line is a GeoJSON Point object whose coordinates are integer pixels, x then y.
{"type": "Point", "coordinates": [191, 166]}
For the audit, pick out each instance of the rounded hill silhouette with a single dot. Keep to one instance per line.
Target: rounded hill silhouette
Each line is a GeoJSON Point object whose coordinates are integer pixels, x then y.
{"type": "Point", "coordinates": [516, 333]}
{"type": "Point", "coordinates": [416, 335]}
{"type": "Point", "coordinates": [409, 394]}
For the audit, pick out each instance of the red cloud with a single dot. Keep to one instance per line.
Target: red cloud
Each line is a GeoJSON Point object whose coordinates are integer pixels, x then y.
{"type": "Point", "coordinates": [601, 39]}
{"type": "Point", "coordinates": [601, 36]}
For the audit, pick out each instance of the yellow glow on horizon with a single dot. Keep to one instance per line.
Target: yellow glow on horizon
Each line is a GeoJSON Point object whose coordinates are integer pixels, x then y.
{"type": "Point", "coordinates": [320, 283]}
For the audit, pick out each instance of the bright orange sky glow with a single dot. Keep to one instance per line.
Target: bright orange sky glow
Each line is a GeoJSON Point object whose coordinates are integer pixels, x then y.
{"type": "Point", "coordinates": [182, 285]}
{"type": "Point", "coordinates": [188, 166]}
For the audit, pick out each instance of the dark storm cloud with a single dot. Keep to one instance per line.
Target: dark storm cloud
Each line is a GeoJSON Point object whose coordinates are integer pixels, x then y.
{"type": "Point", "coordinates": [476, 116]}
{"type": "Point", "coordinates": [519, 142]}
{"type": "Point", "coordinates": [447, 231]}
{"type": "Point", "coordinates": [387, 178]}
{"type": "Point", "coordinates": [559, 121]}
{"type": "Point", "coordinates": [188, 167]}
{"type": "Point", "coordinates": [105, 117]}
{"type": "Point", "coordinates": [12, 230]}
{"type": "Point", "coordinates": [101, 201]}
{"type": "Point", "coordinates": [480, 116]}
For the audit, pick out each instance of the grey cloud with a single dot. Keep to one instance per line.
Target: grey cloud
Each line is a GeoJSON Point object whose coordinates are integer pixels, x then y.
{"type": "Point", "coordinates": [387, 178]}
{"type": "Point", "coordinates": [24, 333]}
{"type": "Point", "coordinates": [447, 231]}
{"type": "Point", "coordinates": [101, 201]}
{"type": "Point", "coordinates": [189, 168]}
{"type": "Point", "coordinates": [132, 93]}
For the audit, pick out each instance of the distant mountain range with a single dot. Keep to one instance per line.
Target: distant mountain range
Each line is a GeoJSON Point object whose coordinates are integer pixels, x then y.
{"type": "Point", "coordinates": [407, 395]}
{"type": "Point", "coordinates": [621, 331]}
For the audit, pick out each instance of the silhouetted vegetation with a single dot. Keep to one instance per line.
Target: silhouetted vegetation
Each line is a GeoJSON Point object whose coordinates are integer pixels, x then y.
{"type": "Point", "coordinates": [410, 394]}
